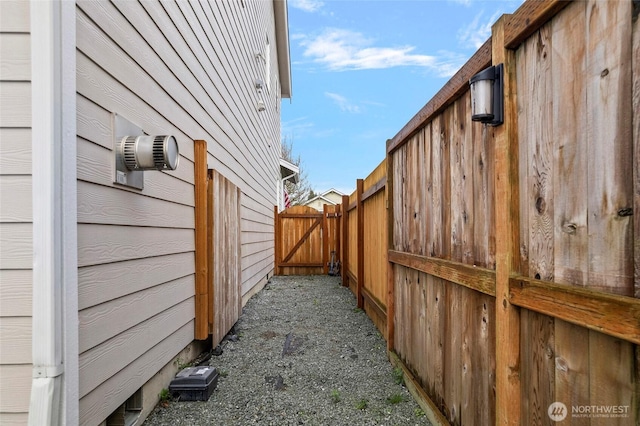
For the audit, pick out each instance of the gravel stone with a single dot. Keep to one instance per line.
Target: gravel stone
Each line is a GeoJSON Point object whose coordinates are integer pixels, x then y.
{"type": "Point", "coordinates": [304, 355]}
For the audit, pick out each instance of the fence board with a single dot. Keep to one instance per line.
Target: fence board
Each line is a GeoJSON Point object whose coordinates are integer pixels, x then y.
{"type": "Point", "coordinates": [226, 277]}
{"type": "Point", "coordinates": [570, 196]}
{"type": "Point", "coordinates": [536, 219]}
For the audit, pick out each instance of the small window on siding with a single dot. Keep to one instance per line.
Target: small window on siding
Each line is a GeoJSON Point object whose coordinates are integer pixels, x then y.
{"type": "Point", "coordinates": [267, 65]}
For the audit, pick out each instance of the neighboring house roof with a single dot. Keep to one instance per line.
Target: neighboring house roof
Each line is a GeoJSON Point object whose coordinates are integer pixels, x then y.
{"type": "Point", "coordinates": [282, 44]}
{"type": "Point", "coordinates": [323, 197]}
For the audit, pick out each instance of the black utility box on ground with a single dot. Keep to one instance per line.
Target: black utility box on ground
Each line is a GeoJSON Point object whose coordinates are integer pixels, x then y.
{"type": "Point", "coordinates": [194, 383]}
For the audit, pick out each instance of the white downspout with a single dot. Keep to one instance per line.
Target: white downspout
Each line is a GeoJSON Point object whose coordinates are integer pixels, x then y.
{"type": "Point", "coordinates": [54, 389]}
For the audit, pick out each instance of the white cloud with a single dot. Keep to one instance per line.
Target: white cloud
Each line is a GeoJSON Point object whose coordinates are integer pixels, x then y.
{"type": "Point", "coordinates": [306, 5]}
{"type": "Point", "coordinates": [478, 31]}
{"type": "Point", "coordinates": [296, 126]}
{"type": "Point", "coordinates": [340, 50]}
{"type": "Point", "coordinates": [342, 102]}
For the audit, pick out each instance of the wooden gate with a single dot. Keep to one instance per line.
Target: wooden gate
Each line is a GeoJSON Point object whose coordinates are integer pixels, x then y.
{"type": "Point", "coordinates": [305, 239]}
{"type": "Point", "coordinates": [218, 301]}
{"type": "Point", "coordinates": [223, 246]}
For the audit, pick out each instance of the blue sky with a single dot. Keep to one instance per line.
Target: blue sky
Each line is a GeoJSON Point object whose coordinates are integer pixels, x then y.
{"type": "Point", "coordinates": [361, 69]}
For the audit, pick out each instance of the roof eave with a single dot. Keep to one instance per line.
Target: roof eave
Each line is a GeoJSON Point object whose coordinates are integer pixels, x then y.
{"type": "Point", "coordinates": [282, 46]}
{"type": "Point", "coordinates": [289, 171]}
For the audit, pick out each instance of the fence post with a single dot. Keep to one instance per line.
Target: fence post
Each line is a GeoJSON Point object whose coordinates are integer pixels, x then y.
{"type": "Point", "coordinates": [325, 240]}
{"type": "Point", "coordinates": [391, 301]}
{"type": "Point", "coordinates": [345, 241]}
{"type": "Point", "coordinates": [335, 237]}
{"type": "Point", "coordinates": [508, 392]}
{"type": "Point", "coordinates": [276, 241]}
{"type": "Point", "coordinates": [360, 240]}
{"type": "Point", "coordinates": [201, 328]}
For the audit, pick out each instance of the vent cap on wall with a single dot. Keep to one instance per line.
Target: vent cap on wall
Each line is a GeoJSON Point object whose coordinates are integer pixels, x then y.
{"type": "Point", "coordinates": [150, 152]}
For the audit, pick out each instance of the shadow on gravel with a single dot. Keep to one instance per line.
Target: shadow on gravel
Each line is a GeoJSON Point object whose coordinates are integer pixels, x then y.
{"type": "Point", "coordinates": [303, 355]}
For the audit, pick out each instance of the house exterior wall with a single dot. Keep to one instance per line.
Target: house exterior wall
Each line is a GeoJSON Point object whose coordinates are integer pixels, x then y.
{"type": "Point", "coordinates": [15, 212]}
{"type": "Point", "coordinates": [186, 69]}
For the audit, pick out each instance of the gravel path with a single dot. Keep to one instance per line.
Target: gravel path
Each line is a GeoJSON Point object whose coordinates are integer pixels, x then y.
{"type": "Point", "coordinates": [304, 355]}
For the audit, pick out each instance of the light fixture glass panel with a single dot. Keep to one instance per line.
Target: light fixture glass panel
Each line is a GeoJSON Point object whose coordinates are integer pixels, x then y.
{"type": "Point", "coordinates": [482, 100]}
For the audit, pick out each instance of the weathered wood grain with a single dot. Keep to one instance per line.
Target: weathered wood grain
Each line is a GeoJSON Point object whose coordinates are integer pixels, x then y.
{"type": "Point", "coordinates": [611, 314]}
{"type": "Point", "coordinates": [529, 18]}
{"type": "Point", "coordinates": [452, 352]}
{"type": "Point", "coordinates": [431, 409]}
{"type": "Point", "coordinates": [536, 143]}
{"type": "Point", "coordinates": [570, 192]}
{"type": "Point", "coordinates": [202, 230]}
{"type": "Point", "coordinates": [508, 390]}
{"type": "Point", "coordinates": [608, 85]}
{"type": "Point", "coordinates": [300, 233]}
{"type": "Point", "coordinates": [479, 279]}
{"type": "Point", "coordinates": [610, 165]}
{"type": "Point", "coordinates": [226, 280]}
{"type": "Point", "coordinates": [389, 225]}
{"type": "Point", "coordinates": [635, 65]}
{"type": "Point", "coordinates": [375, 247]}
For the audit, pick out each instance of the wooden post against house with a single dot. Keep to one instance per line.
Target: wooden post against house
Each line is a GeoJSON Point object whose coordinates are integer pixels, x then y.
{"type": "Point", "coordinates": [277, 241]}
{"type": "Point", "coordinates": [360, 240]}
{"type": "Point", "coordinates": [345, 241]}
{"type": "Point", "coordinates": [325, 240]}
{"type": "Point", "coordinates": [201, 231]}
{"type": "Point", "coordinates": [508, 399]}
{"type": "Point", "coordinates": [391, 301]}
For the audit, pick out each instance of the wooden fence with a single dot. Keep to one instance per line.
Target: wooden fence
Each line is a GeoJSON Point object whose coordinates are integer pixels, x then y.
{"type": "Point", "coordinates": [509, 291]}
{"type": "Point", "coordinates": [305, 238]}
{"type": "Point", "coordinates": [365, 245]}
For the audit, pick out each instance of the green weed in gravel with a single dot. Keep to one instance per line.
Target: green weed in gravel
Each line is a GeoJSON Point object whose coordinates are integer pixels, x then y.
{"type": "Point", "coordinates": [395, 399]}
{"type": "Point", "coordinates": [362, 404]}
{"type": "Point", "coordinates": [398, 376]}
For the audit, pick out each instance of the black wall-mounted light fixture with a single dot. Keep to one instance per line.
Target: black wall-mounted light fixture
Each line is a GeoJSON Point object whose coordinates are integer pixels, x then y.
{"type": "Point", "coordinates": [487, 96]}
